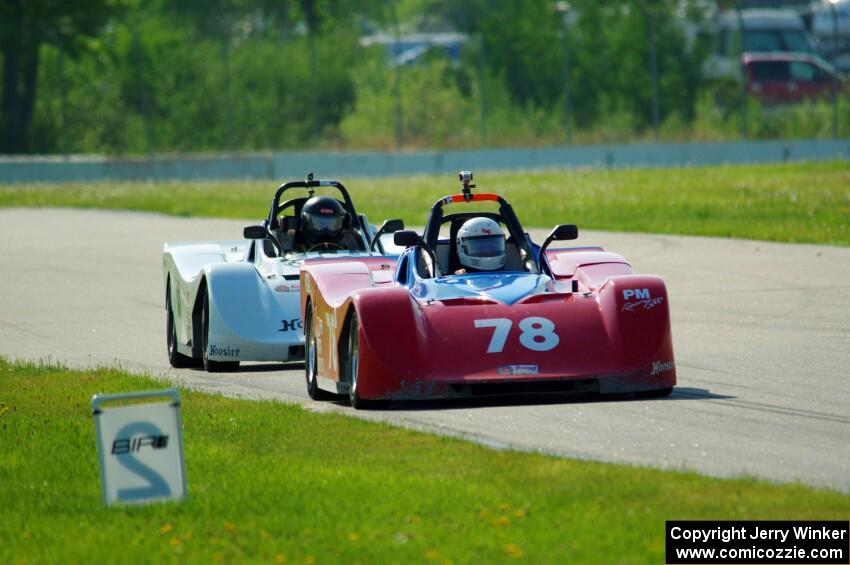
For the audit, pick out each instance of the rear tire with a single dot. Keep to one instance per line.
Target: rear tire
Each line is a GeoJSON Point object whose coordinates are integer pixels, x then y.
{"type": "Point", "coordinates": [209, 365]}
{"type": "Point", "coordinates": [175, 358]}
{"type": "Point", "coordinates": [311, 359]}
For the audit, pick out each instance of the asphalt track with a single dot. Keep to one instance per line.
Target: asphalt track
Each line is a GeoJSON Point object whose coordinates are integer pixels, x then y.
{"type": "Point", "coordinates": [761, 333]}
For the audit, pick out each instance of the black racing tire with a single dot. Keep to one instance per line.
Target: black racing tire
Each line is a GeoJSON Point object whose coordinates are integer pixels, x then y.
{"type": "Point", "coordinates": [352, 368]}
{"type": "Point", "coordinates": [209, 365]}
{"type": "Point", "coordinates": [656, 393]}
{"type": "Point", "coordinates": [175, 358]}
{"type": "Point", "coordinates": [311, 359]}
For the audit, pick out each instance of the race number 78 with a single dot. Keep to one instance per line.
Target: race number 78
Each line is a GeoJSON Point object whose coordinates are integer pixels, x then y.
{"type": "Point", "coordinates": [538, 334]}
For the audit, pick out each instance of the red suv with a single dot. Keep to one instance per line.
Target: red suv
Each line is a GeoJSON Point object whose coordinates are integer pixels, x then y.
{"type": "Point", "coordinates": [783, 78]}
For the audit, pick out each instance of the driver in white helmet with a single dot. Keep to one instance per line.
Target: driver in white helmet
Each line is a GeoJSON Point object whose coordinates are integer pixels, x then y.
{"type": "Point", "coordinates": [480, 246]}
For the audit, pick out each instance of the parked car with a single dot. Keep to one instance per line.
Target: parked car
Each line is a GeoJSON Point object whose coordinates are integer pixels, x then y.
{"type": "Point", "coordinates": [764, 31]}
{"type": "Point", "coordinates": [786, 78]}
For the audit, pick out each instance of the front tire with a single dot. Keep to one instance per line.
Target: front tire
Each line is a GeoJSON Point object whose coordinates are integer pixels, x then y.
{"type": "Point", "coordinates": [175, 358]}
{"type": "Point", "coordinates": [209, 365]}
{"type": "Point", "coordinates": [311, 359]}
{"type": "Point", "coordinates": [352, 368]}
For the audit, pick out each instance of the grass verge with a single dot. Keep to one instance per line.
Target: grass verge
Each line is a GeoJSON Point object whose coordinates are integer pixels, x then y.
{"type": "Point", "coordinates": [269, 481]}
{"type": "Point", "coordinates": [799, 202]}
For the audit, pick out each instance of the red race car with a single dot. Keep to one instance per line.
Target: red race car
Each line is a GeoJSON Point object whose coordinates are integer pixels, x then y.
{"type": "Point", "coordinates": [473, 307]}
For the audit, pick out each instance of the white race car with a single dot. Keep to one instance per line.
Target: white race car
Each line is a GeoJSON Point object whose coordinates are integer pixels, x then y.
{"type": "Point", "coordinates": [233, 301]}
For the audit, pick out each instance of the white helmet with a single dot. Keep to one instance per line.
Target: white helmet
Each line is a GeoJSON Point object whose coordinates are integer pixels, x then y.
{"type": "Point", "coordinates": [481, 245]}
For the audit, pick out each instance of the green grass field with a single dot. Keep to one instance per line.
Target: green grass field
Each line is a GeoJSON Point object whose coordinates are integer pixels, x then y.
{"type": "Point", "coordinates": [270, 481]}
{"type": "Point", "coordinates": [801, 202]}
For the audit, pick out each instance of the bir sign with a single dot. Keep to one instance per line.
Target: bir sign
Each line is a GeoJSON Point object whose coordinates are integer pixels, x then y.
{"type": "Point", "coordinates": [140, 447]}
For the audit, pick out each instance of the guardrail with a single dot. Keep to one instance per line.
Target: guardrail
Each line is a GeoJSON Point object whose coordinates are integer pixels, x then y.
{"type": "Point", "coordinates": [374, 164]}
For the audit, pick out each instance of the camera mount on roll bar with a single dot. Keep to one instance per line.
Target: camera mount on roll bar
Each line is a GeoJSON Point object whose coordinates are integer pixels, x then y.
{"type": "Point", "coordinates": [465, 177]}
{"type": "Point", "coordinates": [310, 184]}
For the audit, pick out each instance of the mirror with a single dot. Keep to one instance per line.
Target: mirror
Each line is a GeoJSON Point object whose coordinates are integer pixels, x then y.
{"type": "Point", "coordinates": [261, 233]}
{"type": "Point", "coordinates": [409, 238]}
{"type": "Point", "coordinates": [255, 232]}
{"type": "Point", "coordinates": [393, 225]}
{"type": "Point", "coordinates": [406, 238]}
{"type": "Point", "coordinates": [562, 232]}
{"type": "Point", "coordinates": [389, 226]}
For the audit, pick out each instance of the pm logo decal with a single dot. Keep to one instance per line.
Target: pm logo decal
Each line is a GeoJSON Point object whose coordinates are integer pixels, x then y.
{"type": "Point", "coordinates": [639, 293]}
{"type": "Point", "coordinates": [642, 297]}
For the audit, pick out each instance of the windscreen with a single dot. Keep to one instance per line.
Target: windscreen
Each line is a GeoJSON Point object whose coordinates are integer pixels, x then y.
{"type": "Point", "coordinates": [770, 70]}
{"type": "Point", "coordinates": [766, 41]}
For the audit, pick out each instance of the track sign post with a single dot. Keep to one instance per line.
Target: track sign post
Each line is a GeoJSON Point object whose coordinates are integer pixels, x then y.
{"type": "Point", "coordinates": [140, 447]}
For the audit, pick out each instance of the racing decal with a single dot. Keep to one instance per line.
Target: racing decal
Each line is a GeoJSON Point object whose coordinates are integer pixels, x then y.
{"type": "Point", "coordinates": [223, 351]}
{"type": "Point", "coordinates": [330, 322]}
{"type": "Point", "coordinates": [659, 367]}
{"type": "Point", "coordinates": [635, 293]}
{"type": "Point", "coordinates": [419, 290]}
{"type": "Point", "coordinates": [643, 299]}
{"type": "Point", "coordinates": [647, 303]}
{"type": "Point", "coordinates": [538, 334]}
{"type": "Point", "coordinates": [290, 325]}
{"type": "Point", "coordinates": [518, 370]}
{"type": "Point", "coordinates": [288, 288]}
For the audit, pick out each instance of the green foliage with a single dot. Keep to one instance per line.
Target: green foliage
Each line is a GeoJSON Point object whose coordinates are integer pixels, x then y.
{"type": "Point", "coordinates": [274, 482]}
{"type": "Point", "coordinates": [716, 119]}
{"type": "Point", "coordinates": [613, 63]}
{"type": "Point", "coordinates": [181, 75]}
{"type": "Point", "coordinates": [434, 113]}
{"type": "Point", "coordinates": [25, 28]}
{"type": "Point", "coordinates": [148, 85]}
{"type": "Point", "coordinates": [608, 45]}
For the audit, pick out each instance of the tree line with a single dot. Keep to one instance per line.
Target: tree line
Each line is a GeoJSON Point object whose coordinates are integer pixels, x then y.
{"type": "Point", "coordinates": [133, 77]}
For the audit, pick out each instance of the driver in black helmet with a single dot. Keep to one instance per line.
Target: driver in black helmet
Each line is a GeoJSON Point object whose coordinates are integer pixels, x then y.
{"type": "Point", "coordinates": [321, 225]}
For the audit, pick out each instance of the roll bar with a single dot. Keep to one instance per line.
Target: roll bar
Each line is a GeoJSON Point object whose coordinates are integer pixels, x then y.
{"type": "Point", "coordinates": [310, 183]}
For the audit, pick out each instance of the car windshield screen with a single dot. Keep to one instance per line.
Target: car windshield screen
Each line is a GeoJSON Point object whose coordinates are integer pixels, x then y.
{"type": "Point", "coordinates": [776, 40]}
{"type": "Point", "coordinates": [770, 70]}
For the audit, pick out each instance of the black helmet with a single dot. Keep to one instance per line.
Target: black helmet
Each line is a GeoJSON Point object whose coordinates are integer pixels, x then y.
{"type": "Point", "coordinates": [322, 219]}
